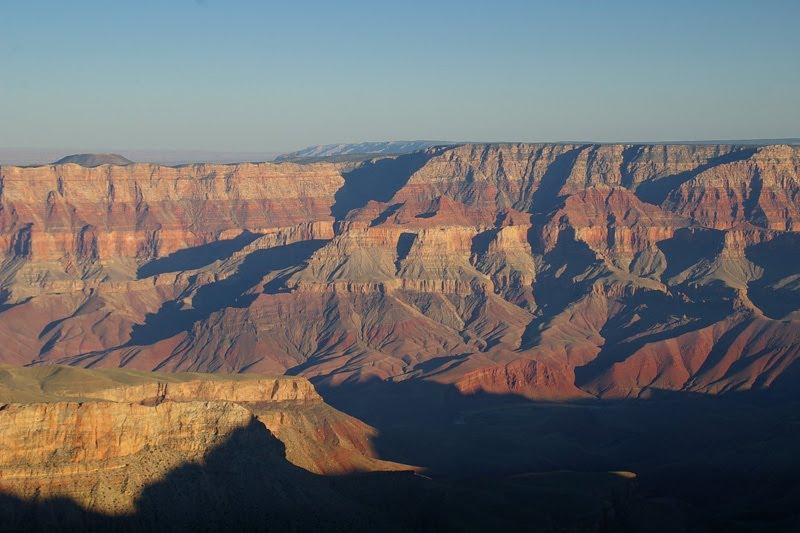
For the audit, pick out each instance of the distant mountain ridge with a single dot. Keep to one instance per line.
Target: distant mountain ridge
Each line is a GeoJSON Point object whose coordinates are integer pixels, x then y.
{"type": "Point", "coordinates": [359, 149]}
{"type": "Point", "coordinates": [94, 160]}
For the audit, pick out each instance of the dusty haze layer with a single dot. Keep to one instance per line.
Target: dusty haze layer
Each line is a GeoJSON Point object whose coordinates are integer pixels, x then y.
{"type": "Point", "coordinates": [546, 271]}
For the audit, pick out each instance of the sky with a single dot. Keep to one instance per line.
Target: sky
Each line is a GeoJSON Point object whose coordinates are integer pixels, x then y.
{"type": "Point", "coordinates": [262, 76]}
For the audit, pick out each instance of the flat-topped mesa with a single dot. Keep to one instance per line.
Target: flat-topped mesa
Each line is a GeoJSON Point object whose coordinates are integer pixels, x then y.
{"type": "Point", "coordinates": [278, 389]}
{"type": "Point", "coordinates": [94, 160]}
{"type": "Point", "coordinates": [145, 211]}
{"type": "Point", "coordinates": [45, 383]}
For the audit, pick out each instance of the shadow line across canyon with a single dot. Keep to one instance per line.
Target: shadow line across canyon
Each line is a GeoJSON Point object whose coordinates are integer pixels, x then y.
{"type": "Point", "coordinates": [774, 292]}
{"type": "Point", "coordinates": [555, 288]}
{"type": "Point", "coordinates": [546, 197]}
{"type": "Point", "coordinates": [247, 484]}
{"type": "Point", "coordinates": [196, 256]}
{"type": "Point", "coordinates": [378, 180]}
{"type": "Point", "coordinates": [625, 335]}
{"type": "Point", "coordinates": [172, 318]}
{"type": "Point", "coordinates": [656, 192]}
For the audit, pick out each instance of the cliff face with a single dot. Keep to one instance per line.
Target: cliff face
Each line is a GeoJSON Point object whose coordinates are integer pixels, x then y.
{"type": "Point", "coordinates": [100, 437]}
{"type": "Point", "coordinates": [88, 451]}
{"type": "Point", "coordinates": [550, 271]}
{"type": "Point", "coordinates": [121, 450]}
{"type": "Point", "coordinates": [69, 213]}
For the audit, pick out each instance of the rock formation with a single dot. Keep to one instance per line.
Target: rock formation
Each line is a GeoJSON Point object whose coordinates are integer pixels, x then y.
{"type": "Point", "coordinates": [99, 437]}
{"type": "Point", "coordinates": [124, 450]}
{"type": "Point", "coordinates": [549, 271]}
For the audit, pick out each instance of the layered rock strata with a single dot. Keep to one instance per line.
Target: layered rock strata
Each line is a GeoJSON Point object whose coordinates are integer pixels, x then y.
{"type": "Point", "coordinates": [99, 438]}
{"type": "Point", "coordinates": [543, 270]}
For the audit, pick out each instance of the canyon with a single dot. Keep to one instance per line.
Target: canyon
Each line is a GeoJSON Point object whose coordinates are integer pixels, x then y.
{"type": "Point", "coordinates": [546, 271]}
{"type": "Point", "coordinates": [554, 285]}
{"type": "Point", "coordinates": [125, 450]}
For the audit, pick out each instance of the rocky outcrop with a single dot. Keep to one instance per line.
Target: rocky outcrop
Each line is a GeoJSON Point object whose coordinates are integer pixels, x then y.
{"type": "Point", "coordinates": [523, 377]}
{"type": "Point", "coordinates": [191, 458]}
{"type": "Point", "coordinates": [100, 437]}
{"type": "Point", "coordinates": [102, 454]}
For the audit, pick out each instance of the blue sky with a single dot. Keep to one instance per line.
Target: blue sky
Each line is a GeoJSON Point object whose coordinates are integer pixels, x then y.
{"type": "Point", "coordinates": [249, 76]}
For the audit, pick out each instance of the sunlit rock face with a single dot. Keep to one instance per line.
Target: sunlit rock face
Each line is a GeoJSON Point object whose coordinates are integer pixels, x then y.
{"type": "Point", "coordinates": [544, 270]}
{"type": "Point", "coordinates": [101, 438]}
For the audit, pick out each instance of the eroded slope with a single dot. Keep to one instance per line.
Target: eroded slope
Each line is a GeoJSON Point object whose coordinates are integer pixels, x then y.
{"type": "Point", "coordinates": [548, 271]}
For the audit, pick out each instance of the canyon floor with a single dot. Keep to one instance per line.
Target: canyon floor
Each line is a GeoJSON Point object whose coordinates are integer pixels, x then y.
{"type": "Point", "coordinates": [530, 336]}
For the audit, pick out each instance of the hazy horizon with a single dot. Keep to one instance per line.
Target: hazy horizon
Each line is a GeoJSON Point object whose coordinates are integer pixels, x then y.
{"type": "Point", "coordinates": [43, 156]}
{"type": "Point", "coordinates": [241, 77]}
